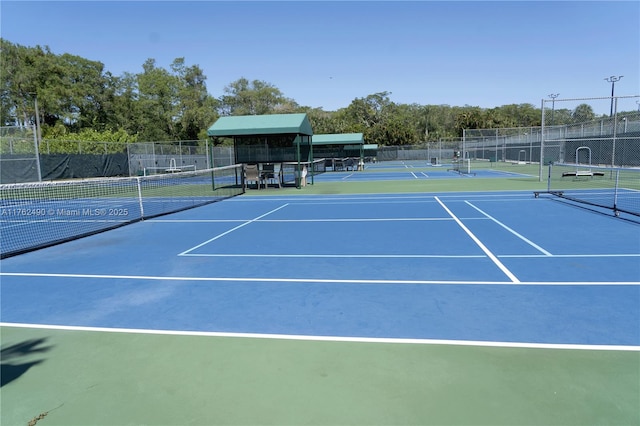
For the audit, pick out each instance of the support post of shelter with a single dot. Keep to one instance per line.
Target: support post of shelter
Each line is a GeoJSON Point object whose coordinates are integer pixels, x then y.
{"type": "Point", "coordinates": [313, 172]}
{"type": "Point", "coordinates": [299, 168]}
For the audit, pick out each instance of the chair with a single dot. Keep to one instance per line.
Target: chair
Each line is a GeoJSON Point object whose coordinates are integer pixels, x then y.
{"type": "Point", "coordinates": [252, 174]}
{"type": "Point", "coordinates": [329, 162]}
{"type": "Point", "coordinates": [349, 164]}
{"type": "Point", "coordinates": [266, 170]}
{"type": "Point", "coordinates": [273, 173]}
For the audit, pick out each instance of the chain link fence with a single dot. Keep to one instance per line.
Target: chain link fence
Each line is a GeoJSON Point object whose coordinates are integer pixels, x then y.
{"type": "Point", "coordinates": [19, 160]}
{"type": "Point", "coordinates": [517, 145]}
{"type": "Point", "coordinates": [593, 131]}
{"type": "Point", "coordinates": [438, 152]}
{"type": "Point", "coordinates": [22, 159]}
{"type": "Point", "coordinates": [153, 157]}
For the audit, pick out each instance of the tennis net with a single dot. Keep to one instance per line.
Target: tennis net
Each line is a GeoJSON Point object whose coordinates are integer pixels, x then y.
{"type": "Point", "coordinates": [461, 166]}
{"type": "Point", "coordinates": [308, 169]}
{"type": "Point", "coordinates": [41, 214]}
{"type": "Point", "coordinates": [611, 188]}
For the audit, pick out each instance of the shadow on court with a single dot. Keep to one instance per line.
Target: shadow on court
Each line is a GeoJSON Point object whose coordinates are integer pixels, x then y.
{"type": "Point", "coordinates": [15, 361]}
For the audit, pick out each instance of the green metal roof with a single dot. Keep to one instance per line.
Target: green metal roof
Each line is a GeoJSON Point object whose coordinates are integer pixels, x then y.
{"type": "Point", "coordinates": [272, 124]}
{"type": "Point", "coordinates": [338, 139]}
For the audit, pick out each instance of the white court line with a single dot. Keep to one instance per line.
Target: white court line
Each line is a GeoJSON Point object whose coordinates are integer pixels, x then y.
{"type": "Point", "coordinates": [302, 199]}
{"type": "Point", "coordinates": [345, 256]}
{"type": "Point", "coordinates": [312, 280]}
{"type": "Point", "coordinates": [413, 256]}
{"type": "Point", "coordinates": [569, 256]}
{"type": "Point", "coordinates": [231, 230]}
{"type": "Point", "coordinates": [350, 339]}
{"type": "Point", "coordinates": [397, 219]}
{"type": "Point", "coordinates": [418, 177]}
{"type": "Point", "coordinates": [491, 256]}
{"type": "Point", "coordinates": [531, 243]}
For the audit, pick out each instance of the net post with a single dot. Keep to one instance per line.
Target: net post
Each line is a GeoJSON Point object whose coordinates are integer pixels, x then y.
{"type": "Point", "coordinates": [615, 193]}
{"type": "Point", "coordinates": [139, 185]}
{"type": "Point", "coordinates": [549, 176]}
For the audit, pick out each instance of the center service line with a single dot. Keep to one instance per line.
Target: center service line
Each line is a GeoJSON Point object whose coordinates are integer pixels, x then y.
{"type": "Point", "coordinates": [491, 256]}
{"type": "Point", "coordinates": [531, 243]}
{"type": "Point", "coordinates": [232, 229]}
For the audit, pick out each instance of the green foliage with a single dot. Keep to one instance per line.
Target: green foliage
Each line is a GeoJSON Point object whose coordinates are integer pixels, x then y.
{"type": "Point", "coordinates": [243, 97]}
{"type": "Point", "coordinates": [583, 113]}
{"type": "Point", "coordinates": [78, 100]}
{"type": "Point", "coordinates": [86, 141]}
{"type": "Point", "coordinates": [77, 94]}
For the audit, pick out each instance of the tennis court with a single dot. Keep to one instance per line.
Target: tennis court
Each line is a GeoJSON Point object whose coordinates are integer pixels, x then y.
{"type": "Point", "coordinates": [294, 307]}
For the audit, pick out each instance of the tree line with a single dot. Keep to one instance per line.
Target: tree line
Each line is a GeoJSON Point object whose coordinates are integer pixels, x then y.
{"type": "Point", "coordinates": [76, 97]}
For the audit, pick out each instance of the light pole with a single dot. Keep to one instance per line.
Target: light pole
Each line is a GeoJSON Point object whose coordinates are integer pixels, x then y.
{"type": "Point", "coordinates": [553, 97]}
{"type": "Point", "coordinates": [613, 80]}
{"type": "Point", "coordinates": [37, 136]}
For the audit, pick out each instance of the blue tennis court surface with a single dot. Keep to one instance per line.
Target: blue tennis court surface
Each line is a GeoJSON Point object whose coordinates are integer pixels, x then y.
{"type": "Point", "coordinates": [488, 267]}
{"type": "Point", "coordinates": [412, 170]}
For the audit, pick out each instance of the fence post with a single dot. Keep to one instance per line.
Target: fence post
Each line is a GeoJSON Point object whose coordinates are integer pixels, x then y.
{"type": "Point", "coordinates": [615, 129]}
{"type": "Point", "coordinates": [35, 143]}
{"type": "Point", "coordinates": [541, 144]}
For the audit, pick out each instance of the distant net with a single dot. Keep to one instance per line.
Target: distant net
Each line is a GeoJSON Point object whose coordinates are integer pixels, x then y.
{"type": "Point", "coordinates": [611, 188]}
{"type": "Point", "coordinates": [41, 214]}
{"type": "Point", "coordinates": [462, 166]}
{"type": "Point", "coordinates": [148, 171]}
{"type": "Point", "coordinates": [291, 171]}
{"type": "Point", "coordinates": [173, 167]}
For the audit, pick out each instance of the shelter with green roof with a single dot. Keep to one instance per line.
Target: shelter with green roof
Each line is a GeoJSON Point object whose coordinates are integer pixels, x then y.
{"type": "Point", "coordinates": [340, 146]}
{"type": "Point", "coordinates": [273, 138]}
{"type": "Point", "coordinates": [266, 138]}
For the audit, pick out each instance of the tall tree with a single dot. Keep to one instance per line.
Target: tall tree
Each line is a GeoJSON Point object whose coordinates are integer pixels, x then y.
{"type": "Point", "coordinates": [368, 111]}
{"type": "Point", "coordinates": [196, 108]}
{"type": "Point", "coordinates": [243, 97]}
{"type": "Point", "coordinates": [582, 113]}
{"type": "Point", "coordinates": [468, 118]}
{"type": "Point", "coordinates": [158, 100]}
{"type": "Point", "coordinates": [120, 105]}
{"type": "Point", "coordinates": [67, 87]}
{"type": "Point", "coordinates": [22, 70]}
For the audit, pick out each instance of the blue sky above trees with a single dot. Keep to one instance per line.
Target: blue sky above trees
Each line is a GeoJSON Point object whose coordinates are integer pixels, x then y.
{"type": "Point", "coordinates": [325, 54]}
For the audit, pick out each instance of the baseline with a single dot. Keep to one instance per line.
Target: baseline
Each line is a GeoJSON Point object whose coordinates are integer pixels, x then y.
{"type": "Point", "coordinates": [318, 280]}
{"type": "Point", "coordinates": [352, 339]}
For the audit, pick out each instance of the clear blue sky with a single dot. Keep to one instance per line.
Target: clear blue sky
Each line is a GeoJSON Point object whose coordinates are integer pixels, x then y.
{"type": "Point", "coordinates": [327, 53]}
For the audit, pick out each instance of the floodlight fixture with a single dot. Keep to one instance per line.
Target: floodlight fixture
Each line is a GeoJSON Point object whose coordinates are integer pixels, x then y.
{"type": "Point", "coordinates": [553, 97]}
{"type": "Point", "coordinates": [613, 80]}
